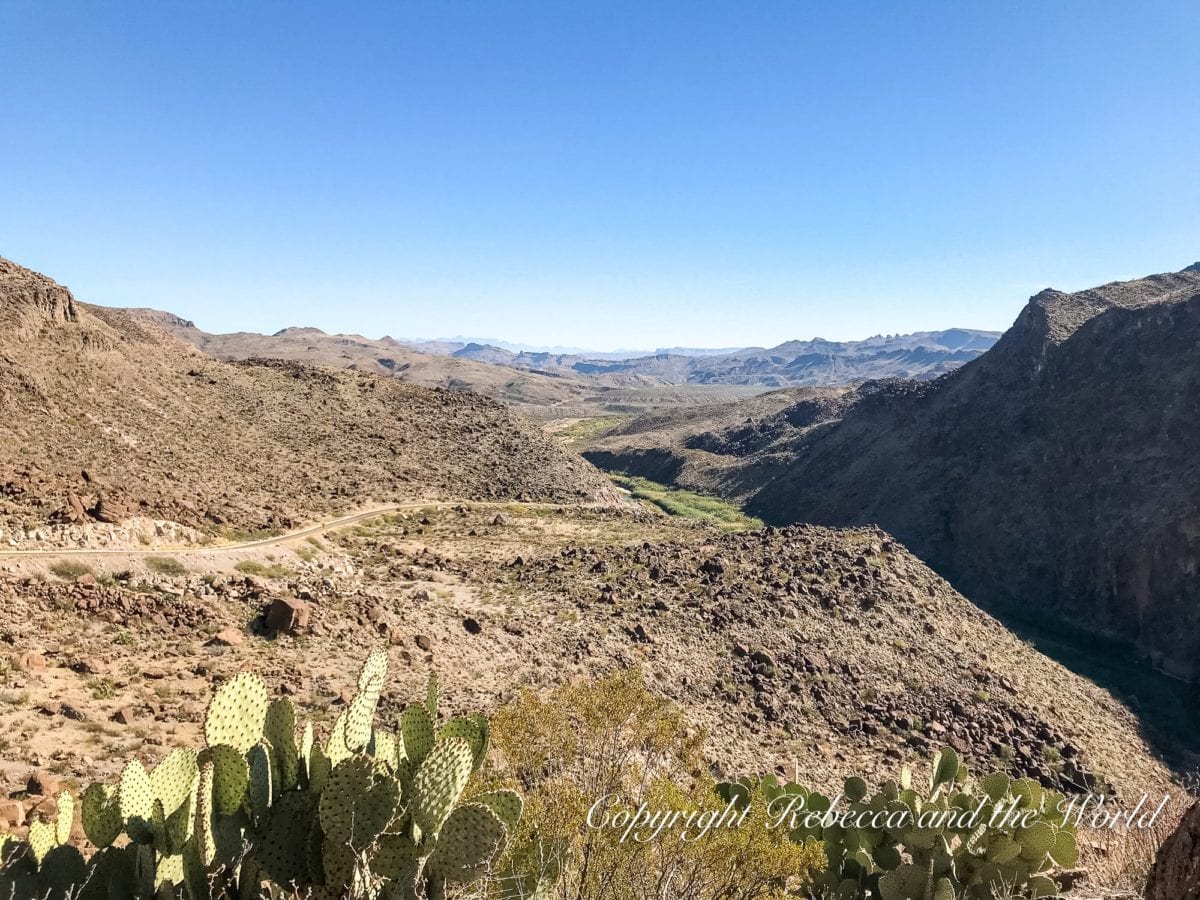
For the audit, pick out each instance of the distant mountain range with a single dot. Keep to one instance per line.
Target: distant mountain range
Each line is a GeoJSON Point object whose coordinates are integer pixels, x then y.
{"type": "Point", "coordinates": [792, 364]}
{"type": "Point", "coordinates": [816, 362]}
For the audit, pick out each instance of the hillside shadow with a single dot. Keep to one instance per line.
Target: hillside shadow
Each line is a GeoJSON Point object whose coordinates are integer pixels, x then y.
{"type": "Point", "coordinates": [1167, 709]}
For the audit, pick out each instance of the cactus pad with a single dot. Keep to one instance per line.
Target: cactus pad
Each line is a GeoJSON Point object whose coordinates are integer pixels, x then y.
{"type": "Point", "coordinates": [507, 805]}
{"type": "Point", "coordinates": [383, 747]}
{"type": "Point", "coordinates": [945, 768]}
{"type": "Point", "coordinates": [173, 778]}
{"type": "Point", "coordinates": [335, 747]}
{"type": "Point", "coordinates": [396, 858]}
{"type": "Point", "coordinates": [471, 730]}
{"type": "Point", "coordinates": [100, 813]}
{"type": "Point", "coordinates": [1036, 841]}
{"type": "Point", "coordinates": [43, 838]}
{"type": "Point", "coordinates": [1065, 851]}
{"type": "Point", "coordinates": [360, 715]}
{"type": "Point", "coordinates": [467, 844]}
{"type": "Point", "coordinates": [373, 675]}
{"type": "Point", "coordinates": [279, 729]}
{"type": "Point", "coordinates": [64, 817]}
{"type": "Point", "coordinates": [229, 778]}
{"type": "Point", "coordinates": [416, 728]}
{"type": "Point", "coordinates": [237, 713]}
{"type": "Point", "coordinates": [1041, 886]}
{"type": "Point", "coordinates": [908, 882]}
{"type": "Point", "coordinates": [261, 785]}
{"type": "Point", "coordinates": [137, 803]}
{"type": "Point", "coordinates": [358, 803]}
{"type": "Point", "coordinates": [283, 850]}
{"type": "Point", "coordinates": [205, 845]}
{"type": "Point", "coordinates": [440, 780]}
{"type": "Point", "coordinates": [995, 786]}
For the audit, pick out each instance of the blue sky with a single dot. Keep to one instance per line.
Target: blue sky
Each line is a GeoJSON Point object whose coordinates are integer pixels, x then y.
{"type": "Point", "coordinates": [601, 174]}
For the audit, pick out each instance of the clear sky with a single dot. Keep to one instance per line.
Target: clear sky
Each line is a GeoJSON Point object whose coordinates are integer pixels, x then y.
{"type": "Point", "coordinates": [602, 174]}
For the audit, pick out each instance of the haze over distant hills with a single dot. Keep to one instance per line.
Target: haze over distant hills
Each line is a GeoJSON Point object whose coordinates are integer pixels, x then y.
{"type": "Point", "coordinates": [791, 364]}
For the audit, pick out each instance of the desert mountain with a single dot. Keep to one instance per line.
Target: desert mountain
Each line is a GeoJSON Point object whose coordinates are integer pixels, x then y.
{"type": "Point", "coordinates": [533, 378]}
{"type": "Point", "coordinates": [794, 363]}
{"type": "Point", "coordinates": [104, 415]}
{"type": "Point", "coordinates": [380, 357]}
{"type": "Point", "coordinates": [1059, 473]}
{"type": "Point", "coordinates": [552, 392]}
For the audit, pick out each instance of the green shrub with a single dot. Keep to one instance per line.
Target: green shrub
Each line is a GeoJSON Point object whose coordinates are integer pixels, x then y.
{"type": "Point", "coordinates": [613, 737]}
{"type": "Point", "coordinates": [263, 570]}
{"type": "Point", "coordinates": [686, 504]}
{"type": "Point", "coordinates": [165, 565]}
{"type": "Point", "coordinates": [958, 839]}
{"type": "Point", "coordinates": [70, 570]}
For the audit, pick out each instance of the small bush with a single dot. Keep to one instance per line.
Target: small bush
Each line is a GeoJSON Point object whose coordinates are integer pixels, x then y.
{"type": "Point", "coordinates": [70, 570]}
{"type": "Point", "coordinates": [614, 737]}
{"type": "Point", "coordinates": [263, 570]}
{"type": "Point", "coordinates": [165, 565]}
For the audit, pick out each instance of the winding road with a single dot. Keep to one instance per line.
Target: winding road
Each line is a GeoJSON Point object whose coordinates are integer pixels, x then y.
{"type": "Point", "coordinates": [307, 531]}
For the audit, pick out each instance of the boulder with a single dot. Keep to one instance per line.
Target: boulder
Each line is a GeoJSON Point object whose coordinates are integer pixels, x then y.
{"type": "Point", "coordinates": [287, 614]}
{"type": "Point", "coordinates": [110, 510]}
{"type": "Point", "coordinates": [229, 637]}
{"type": "Point", "coordinates": [1176, 871]}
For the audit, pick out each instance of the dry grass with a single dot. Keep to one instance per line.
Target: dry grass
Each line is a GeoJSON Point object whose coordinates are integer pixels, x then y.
{"type": "Point", "coordinates": [1120, 860]}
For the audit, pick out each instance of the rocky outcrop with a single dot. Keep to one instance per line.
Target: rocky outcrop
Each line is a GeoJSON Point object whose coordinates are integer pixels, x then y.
{"type": "Point", "coordinates": [1176, 872]}
{"type": "Point", "coordinates": [29, 301]}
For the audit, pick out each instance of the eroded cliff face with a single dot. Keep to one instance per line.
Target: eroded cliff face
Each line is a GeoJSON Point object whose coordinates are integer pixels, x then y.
{"type": "Point", "coordinates": [1176, 871]}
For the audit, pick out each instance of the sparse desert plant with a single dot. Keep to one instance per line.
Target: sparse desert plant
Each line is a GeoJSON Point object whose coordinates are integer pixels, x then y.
{"type": "Point", "coordinates": [69, 570]}
{"type": "Point", "coordinates": [264, 811]}
{"type": "Point", "coordinates": [614, 738]}
{"type": "Point", "coordinates": [262, 569]}
{"type": "Point", "coordinates": [165, 565]}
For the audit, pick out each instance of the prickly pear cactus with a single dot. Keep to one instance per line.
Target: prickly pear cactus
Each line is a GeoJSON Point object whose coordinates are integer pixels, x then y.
{"type": "Point", "coordinates": [237, 713]}
{"type": "Point", "coordinates": [932, 850]}
{"type": "Point", "coordinates": [467, 844]}
{"type": "Point", "coordinates": [100, 814]}
{"type": "Point", "coordinates": [440, 781]}
{"type": "Point", "coordinates": [264, 810]}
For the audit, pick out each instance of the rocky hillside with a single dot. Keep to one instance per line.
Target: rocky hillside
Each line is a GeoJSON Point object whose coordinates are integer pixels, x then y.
{"type": "Point", "coordinates": [827, 652]}
{"type": "Point", "coordinates": [384, 356]}
{"type": "Point", "coordinates": [104, 416]}
{"type": "Point", "coordinates": [1059, 473]}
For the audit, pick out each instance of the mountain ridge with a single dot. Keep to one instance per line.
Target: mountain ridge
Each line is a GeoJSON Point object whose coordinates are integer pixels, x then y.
{"type": "Point", "coordinates": [796, 363]}
{"type": "Point", "coordinates": [105, 416]}
{"type": "Point", "coordinates": [1057, 473]}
